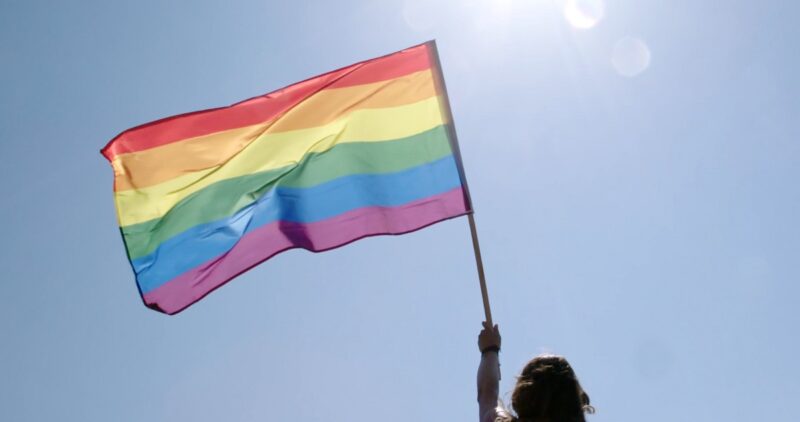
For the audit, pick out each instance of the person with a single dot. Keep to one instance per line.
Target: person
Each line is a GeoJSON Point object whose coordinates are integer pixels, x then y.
{"type": "Point", "coordinates": [547, 389]}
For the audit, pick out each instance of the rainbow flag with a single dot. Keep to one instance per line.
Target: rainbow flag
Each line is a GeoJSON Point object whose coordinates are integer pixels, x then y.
{"type": "Point", "coordinates": [365, 150]}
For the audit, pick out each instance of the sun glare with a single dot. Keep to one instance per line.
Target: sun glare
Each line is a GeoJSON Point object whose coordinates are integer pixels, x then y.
{"type": "Point", "coordinates": [584, 14]}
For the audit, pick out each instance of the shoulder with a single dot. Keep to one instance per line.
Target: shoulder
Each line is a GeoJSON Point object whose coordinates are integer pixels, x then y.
{"type": "Point", "coordinates": [501, 414]}
{"type": "Point", "coordinates": [497, 414]}
{"type": "Point", "coordinates": [491, 415]}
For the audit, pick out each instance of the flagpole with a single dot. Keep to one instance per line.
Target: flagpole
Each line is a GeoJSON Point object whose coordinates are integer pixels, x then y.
{"type": "Point", "coordinates": [479, 262]}
{"type": "Point", "coordinates": [451, 129]}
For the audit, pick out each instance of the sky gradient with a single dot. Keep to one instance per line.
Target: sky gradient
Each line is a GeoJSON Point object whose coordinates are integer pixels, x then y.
{"type": "Point", "coordinates": [640, 220]}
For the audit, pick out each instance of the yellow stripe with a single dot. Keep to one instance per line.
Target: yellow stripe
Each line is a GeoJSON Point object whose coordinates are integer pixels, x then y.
{"type": "Point", "coordinates": [150, 167]}
{"type": "Point", "coordinates": [277, 150]}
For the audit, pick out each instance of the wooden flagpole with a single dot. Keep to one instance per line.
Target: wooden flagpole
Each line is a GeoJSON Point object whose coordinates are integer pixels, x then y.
{"type": "Point", "coordinates": [444, 102]}
{"type": "Point", "coordinates": [479, 262]}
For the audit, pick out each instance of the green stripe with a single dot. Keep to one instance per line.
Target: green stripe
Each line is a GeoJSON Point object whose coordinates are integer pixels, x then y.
{"type": "Point", "coordinates": [225, 198]}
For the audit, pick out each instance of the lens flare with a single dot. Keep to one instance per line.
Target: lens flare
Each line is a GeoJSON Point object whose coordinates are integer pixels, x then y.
{"type": "Point", "coordinates": [584, 14]}
{"type": "Point", "coordinates": [630, 56]}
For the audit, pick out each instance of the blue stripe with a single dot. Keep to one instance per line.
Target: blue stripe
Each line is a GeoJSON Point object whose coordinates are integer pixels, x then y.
{"type": "Point", "coordinates": [301, 205]}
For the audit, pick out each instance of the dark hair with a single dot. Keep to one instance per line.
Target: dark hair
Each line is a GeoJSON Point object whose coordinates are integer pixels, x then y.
{"type": "Point", "coordinates": [547, 389]}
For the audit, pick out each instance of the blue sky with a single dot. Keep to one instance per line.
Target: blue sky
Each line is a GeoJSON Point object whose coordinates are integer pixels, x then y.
{"type": "Point", "coordinates": [643, 226]}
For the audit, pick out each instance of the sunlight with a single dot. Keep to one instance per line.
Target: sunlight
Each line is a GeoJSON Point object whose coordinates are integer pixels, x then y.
{"type": "Point", "coordinates": [584, 14]}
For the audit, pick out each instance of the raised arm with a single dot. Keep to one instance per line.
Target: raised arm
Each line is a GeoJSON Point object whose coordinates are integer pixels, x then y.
{"type": "Point", "coordinates": [488, 372]}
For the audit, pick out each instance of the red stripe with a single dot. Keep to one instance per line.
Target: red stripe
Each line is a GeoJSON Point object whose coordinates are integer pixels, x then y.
{"type": "Point", "coordinates": [268, 241]}
{"type": "Point", "coordinates": [266, 107]}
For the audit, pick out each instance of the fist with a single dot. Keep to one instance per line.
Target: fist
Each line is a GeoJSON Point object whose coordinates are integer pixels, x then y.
{"type": "Point", "coordinates": [489, 338]}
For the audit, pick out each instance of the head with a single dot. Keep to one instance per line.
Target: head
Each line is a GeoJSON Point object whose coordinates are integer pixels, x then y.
{"type": "Point", "coordinates": [548, 390]}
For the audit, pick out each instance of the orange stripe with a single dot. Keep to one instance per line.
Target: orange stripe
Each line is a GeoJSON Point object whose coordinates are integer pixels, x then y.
{"type": "Point", "coordinates": [156, 165]}
{"type": "Point", "coordinates": [268, 106]}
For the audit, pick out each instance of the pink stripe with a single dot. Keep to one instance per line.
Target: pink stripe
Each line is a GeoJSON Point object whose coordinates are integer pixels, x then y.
{"type": "Point", "coordinates": [267, 241]}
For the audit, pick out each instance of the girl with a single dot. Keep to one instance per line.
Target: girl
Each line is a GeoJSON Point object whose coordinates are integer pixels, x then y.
{"type": "Point", "coordinates": [546, 390]}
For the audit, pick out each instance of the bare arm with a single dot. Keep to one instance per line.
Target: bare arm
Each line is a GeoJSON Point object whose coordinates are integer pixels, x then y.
{"type": "Point", "coordinates": [488, 373]}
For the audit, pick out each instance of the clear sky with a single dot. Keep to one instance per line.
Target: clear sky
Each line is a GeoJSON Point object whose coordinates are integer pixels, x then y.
{"type": "Point", "coordinates": [636, 194]}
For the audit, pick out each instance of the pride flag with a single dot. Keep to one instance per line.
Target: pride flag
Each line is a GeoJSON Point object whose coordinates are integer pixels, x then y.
{"type": "Point", "coordinates": [365, 150]}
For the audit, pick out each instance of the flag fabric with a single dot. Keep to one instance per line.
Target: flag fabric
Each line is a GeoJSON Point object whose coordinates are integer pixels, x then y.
{"type": "Point", "coordinates": [365, 150]}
